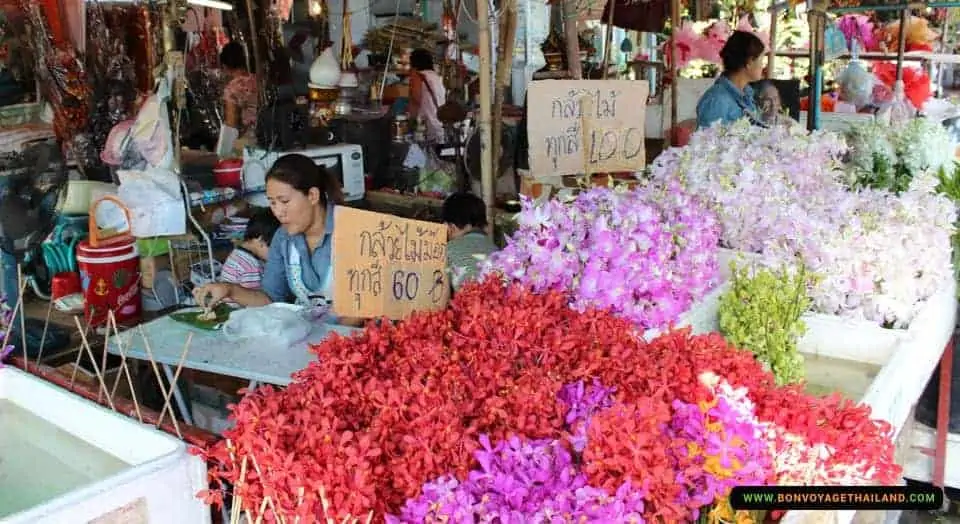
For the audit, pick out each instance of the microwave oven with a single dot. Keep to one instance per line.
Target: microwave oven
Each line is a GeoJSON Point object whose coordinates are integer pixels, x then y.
{"type": "Point", "coordinates": [344, 160]}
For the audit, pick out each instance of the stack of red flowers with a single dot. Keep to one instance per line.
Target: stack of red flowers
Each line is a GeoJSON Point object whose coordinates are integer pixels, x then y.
{"type": "Point", "coordinates": [380, 414]}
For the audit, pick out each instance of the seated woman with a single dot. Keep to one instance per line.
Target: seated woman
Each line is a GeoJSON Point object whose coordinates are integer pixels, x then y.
{"type": "Point", "coordinates": [302, 196]}
{"type": "Point", "coordinates": [465, 215]}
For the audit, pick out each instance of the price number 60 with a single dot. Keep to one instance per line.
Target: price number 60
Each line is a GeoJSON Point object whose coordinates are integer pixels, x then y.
{"type": "Point", "coordinates": [405, 285]}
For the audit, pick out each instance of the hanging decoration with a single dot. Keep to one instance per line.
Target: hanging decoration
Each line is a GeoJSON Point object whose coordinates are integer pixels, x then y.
{"type": "Point", "coordinates": [62, 76]}
{"type": "Point", "coordinates": [919, 35]}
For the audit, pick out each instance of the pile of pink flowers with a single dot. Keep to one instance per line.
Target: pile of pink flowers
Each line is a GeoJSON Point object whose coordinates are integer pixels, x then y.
{"type": "Point", "coordinates": [646, 254]}
{"type": "Point", "coordinates": [781, 192]}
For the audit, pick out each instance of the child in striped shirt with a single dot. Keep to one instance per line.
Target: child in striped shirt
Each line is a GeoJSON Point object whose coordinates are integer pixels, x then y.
{"type": "Point", "coordinates": [244, 266]}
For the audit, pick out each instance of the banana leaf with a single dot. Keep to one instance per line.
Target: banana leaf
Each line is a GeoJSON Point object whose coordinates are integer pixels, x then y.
{"type": "Point", "coordinates": [192, 317]}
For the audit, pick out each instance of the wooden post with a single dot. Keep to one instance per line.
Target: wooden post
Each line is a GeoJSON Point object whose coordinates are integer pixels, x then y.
{"type": "Point", "coordinates": [487, 179]}
{"type": "Point", "coordinates": [571, 35]}
{"type": "Point", "coordinates": [508, 34]}
{"type": "Point", "coordinates": [772, 47]}
{"type": "Point", "coordinates": [609, 41]}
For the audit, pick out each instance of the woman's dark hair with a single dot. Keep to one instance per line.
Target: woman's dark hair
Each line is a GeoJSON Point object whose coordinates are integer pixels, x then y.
{"type": "Point", "coordinates": [421, 60]}
{"type": "Point", "coordinates": [263, 224]}
{"type": "Point", "coordinates": [464, 209]}
{"type": "Point", "coordinates": [741, 47]}
{"type": "Point", "coordinates": [302, 174]}
{"type": "Point", "coordinates": [233, 56]}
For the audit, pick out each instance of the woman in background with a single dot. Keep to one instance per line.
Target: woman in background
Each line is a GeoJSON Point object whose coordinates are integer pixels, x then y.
{"type": "Point", "coordinates": [240, 94]}
{"type": "Point", "coordinates": [427, 94]}
{"type": "Point", "coordinates": [730, 98]}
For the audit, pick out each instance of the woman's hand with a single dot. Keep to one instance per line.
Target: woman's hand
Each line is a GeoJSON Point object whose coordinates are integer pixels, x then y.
{"type": "Point", "coordinates": [209, 296]}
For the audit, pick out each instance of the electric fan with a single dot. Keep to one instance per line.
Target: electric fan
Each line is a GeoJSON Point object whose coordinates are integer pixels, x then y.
{"type": "Point", "coordinates": [30, 187]}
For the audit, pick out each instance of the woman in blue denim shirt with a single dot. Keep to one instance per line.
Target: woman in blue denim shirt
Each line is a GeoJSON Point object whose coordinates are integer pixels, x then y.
{"type": "Point", "coordinates": [730, 98]}
{"type": "Point", "coordinates": [298, 269]}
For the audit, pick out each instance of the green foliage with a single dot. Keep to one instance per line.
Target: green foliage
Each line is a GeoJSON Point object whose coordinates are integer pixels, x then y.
{"type": "Point", "coordinates": [761, 313]}
{"type": "Point", "coordinates": [949, 186]}
{"type": "Point", "coordinates": [885, 175]}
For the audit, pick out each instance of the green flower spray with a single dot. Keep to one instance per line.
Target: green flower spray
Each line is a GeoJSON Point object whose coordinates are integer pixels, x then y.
{"type": "Point", "coordinates": [761, 312]}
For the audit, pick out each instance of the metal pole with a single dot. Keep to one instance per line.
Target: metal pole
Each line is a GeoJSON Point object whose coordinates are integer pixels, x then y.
{"type": "Point", "coordinates": [902, 42]}
{"type": "Point", "coordinates": [817, 18]}
{"type": "Point", "coordinates": [486, 160]}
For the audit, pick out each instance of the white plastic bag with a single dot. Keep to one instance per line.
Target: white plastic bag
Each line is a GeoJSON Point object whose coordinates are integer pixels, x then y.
{"type": "Point", "coordinates": [283, 324]}
{"type": "Point", "coordinates": [155, 201]}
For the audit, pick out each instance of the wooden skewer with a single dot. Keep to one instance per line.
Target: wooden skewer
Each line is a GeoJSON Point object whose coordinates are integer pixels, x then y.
{"type": "Point", "coordinates": [300, 493]}
{"type": "Point", "coordinates": [325, 506]}
{"type": "Point", "coordinates": [76, 362]}
{"type": "Point", "coordinates": [266, 498]}
{"type": "Point", "coordinates": [263, 509]}
{"type": "Point", "coordinates": [106, 342]}
{"type": "Point", "coordinates": [176, 375]}
{"type": "Point", "coordinates": [124, 368]}
{"type": "Point", "coordinates": [237, 498]}
{"type": "Point", "coordinates": [43, 337]}
{"type": "Point", "coordinates": [156, 372]}
{"type": "Point", "coordinates": [234, 511]}
{"type": "Point", "coordinates": [93, 361]}
{"type": "Point", "coordinates": [23, 317]}
{"type": "Point", "coordinates": [13, 318]}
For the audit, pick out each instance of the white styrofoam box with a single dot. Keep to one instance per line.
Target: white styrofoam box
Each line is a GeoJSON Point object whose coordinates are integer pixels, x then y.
{"type": "Point", "coordinates": [898, 386]}
{"type": "Point", "coordinates": [900, 382]}
{"type": "Point", "coordinates": [160, 485]}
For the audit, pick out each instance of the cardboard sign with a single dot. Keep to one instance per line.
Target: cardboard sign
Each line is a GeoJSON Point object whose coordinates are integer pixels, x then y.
{"type": "Point", "coordinates": [586, 126]}
{"type": "Point", "coordinates": [387, 266]}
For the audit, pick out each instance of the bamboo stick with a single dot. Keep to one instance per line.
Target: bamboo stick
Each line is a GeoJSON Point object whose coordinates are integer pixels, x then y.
{"type": "Point", "coordinates": [124, 368]}
{"type": "Point", "coordinates": [23, 317]}
{"type": "Point", "coordinates": [93, 361]}
{"type": "Point", "coordinates": [572, 37]}
{"type": "Point", "coordinates": [609, 40]}
{"type": "Point", "coordinates": [487, 179]}
{"type": "Point", "coordinates": [508, 34]}
{"type": "Point", "coordinates": [772, 46]}
{"type": "Point", "coordinates": [156, 372]}
{"type": "Point", "coordinates": [13, 318]}
{"type": "Point", "coordinates": [43, 337]}
{"type": "Point", "coordinates": [176, 375]}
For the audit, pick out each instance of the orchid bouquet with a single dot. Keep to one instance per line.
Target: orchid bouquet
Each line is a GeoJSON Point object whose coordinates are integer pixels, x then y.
{"type": "Point", "coordinates": [781, 192]}
{"type": "Point", "coordinates": [646, 254]}
{"type": "Point", "coordinates": [888, 157]}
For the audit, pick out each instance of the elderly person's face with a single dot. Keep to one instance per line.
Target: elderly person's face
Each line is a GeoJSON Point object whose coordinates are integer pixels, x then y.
{"type": "Point", "coordinates": [769, 100]}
